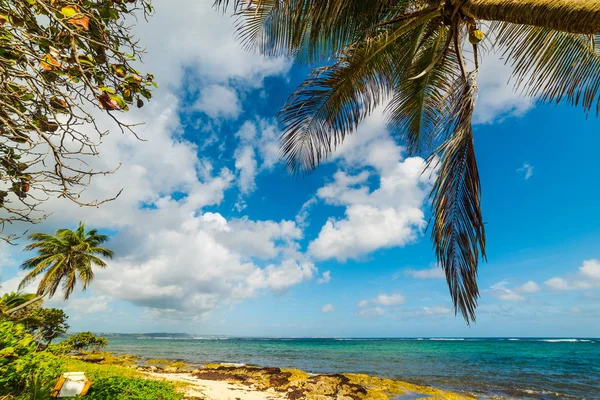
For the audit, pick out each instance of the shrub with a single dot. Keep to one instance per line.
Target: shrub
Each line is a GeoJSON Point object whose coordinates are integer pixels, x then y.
{"type": "Point", "coordinates": [15, 344]}
{"type": "Point", "coordinates": [122, 388]}
{"type": "Point", "coordinates": [83, 341]}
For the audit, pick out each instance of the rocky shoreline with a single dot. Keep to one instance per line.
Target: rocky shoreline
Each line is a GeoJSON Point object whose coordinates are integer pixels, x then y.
{"type": "Point", "coordinates": [244, 382]}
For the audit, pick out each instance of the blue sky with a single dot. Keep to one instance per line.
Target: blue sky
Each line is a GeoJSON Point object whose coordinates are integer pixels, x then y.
{"type": "Point", "coordinates": [213, 237]}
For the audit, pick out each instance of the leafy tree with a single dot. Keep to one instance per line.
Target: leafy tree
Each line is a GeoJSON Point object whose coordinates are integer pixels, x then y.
{"type": "Point", "coordinates": [61, 63]}
{"type": "Point", "coordinates": [67, 256]}
{"type": "Point", "coordinates": [84, 341]}
{"type": "Point", "coordinates": [46, 323]}
{"type": "Point", "coordinates": [414, 53]}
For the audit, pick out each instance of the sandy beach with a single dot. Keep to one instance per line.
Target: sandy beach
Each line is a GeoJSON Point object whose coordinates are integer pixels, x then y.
{"type": "Point", "coordinates": [217, 390]}
{"type": "Point", "coordinates": [235, 382]}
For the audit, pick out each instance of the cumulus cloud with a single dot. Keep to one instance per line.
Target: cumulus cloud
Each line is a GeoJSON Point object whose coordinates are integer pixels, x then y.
{"type": "Point", "coordinates": [587, 277]}
{"type": "Point", "coordinates": [590, 269]}
{"type": "Point", "coordinates": [327, 308]}
{"type": "Point", "coordinates": [430, 273]}
{"type": "Point", "coordinates": [390, 215]}
{"type": "Point", "coordinates": [218, 101]}
{"type": "Point", "coordinates": [526, 170]}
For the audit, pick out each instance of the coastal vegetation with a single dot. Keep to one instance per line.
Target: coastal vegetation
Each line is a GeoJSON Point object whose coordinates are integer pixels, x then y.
{"type": "Point", "coordinates": [420, 60]}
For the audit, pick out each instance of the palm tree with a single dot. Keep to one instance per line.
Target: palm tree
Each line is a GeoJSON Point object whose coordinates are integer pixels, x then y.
{"type": "Point", "coordinates": [423, 55]}
{"type": "Point", "coordinates": [10, 301]}
{"type": "Point", "coordinates": [66, 257]}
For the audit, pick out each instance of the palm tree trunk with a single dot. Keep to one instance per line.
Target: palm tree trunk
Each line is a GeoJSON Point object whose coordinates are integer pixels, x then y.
{"type": "Point", "coordinates": [574, 16]}
{"type": "Point", "coordinates": [27, 303]}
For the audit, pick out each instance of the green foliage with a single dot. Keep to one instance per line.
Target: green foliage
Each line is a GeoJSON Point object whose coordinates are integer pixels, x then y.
{"type": "Point", "coordinates": [46, 323]}
{"type": "Point", "coordinates": [117, 387]}
{"type": "Point", "coordinates": [83, 341]}
{"type": "Point", "coordinates": [36, 388]}
{"type": "Point", "coordinates": [61, 62]}
{"type": "Point", "coordinates": [36, 375]}
{"type": "Point", "coordinates": [15, 344]}
{"type": "Point", "coordinates": [66, 257]}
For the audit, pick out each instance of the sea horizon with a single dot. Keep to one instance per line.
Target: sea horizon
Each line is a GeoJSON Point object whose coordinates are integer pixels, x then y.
{"type": "Point", "coordinates": [424, 337]}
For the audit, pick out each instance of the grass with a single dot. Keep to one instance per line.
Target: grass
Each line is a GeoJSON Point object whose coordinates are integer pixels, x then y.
{"type": "Point", "coordinates": [95, 371]}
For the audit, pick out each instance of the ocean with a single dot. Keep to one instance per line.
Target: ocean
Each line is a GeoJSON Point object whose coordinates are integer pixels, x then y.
{"type": "Point", "coordinates": [489, 368]}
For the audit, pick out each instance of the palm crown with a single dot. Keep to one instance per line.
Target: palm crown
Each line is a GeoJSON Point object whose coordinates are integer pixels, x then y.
{"type": "Point", "coordinates": [67, 257]}
{"type": "Point", "coordinates": [423, 55]}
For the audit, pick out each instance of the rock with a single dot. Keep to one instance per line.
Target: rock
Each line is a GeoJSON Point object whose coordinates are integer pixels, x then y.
{"type": "Point", "coordinates": [170, 369]}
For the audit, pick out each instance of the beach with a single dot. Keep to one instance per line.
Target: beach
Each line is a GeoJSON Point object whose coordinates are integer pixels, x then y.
{"type": "Point", "coordinates": [224, 382]}
{"type": "Point", "coordinates": [487, 368]}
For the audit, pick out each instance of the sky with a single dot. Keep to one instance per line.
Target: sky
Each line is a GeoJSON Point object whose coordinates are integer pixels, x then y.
{"type": "Point", "coordinates": [213, 237]}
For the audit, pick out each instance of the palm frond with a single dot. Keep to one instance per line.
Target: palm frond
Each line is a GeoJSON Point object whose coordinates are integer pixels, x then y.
{"type": "Point", "coordinates": [458, 231]}
{"type": "Point", "coordinates": [311, 29]}
{"type": "Point", "coordinates": [329, 105]}
{"type": "Point", "coordinates": [417, 104]}
{"type": "Point", "coordinates": [552, 65]}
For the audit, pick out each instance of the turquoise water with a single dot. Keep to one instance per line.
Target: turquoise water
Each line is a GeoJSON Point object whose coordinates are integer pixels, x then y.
{"type": "Point", "coordinates": [488, 368]}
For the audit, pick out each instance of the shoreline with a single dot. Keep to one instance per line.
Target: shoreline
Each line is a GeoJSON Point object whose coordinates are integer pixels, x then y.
{"type": "Point", "coordinates": [245, 382]}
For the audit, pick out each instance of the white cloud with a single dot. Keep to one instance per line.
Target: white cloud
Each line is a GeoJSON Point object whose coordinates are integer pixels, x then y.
{"type": "Point", "coordinates": [557, 284]}
{"type": "Point", "coordinates": [303, 214]}
{"type": "Point", "coordinates": [526, 170]}
{"type": "Point", "coordinates": [256, 138]}
{"type": "Point", "coordinates": [204, 263]}
{"type": "Point", "coordinates": [218, 101]}
{"type": "Point", "coordinates": [388, 216]}
{"type": "Point", "coordinates": [591, 269]}
{"type": "Point", "coordinates": [201, 40]}
{"type": "Point", "coordinates": [502, 292]}
{"type": "Point", "coordinates": [528, 287]}
{"type": "Point", "coordinates": [327, 308]}
{"type": "Point", "coordinates": [497, 98]}
{"type": "Point", "coordinates": [246, 164]}
{"type": "Point", "coordinates": [394, 299]}
{"type": "Point", "coordinates": [430, 273]}
{"type": "Point", "coordinates": [588, 277]}
{"type": "Point", "coordinates": [373, 307]}
{"type": "Point", "coordinates": [325, 278]}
